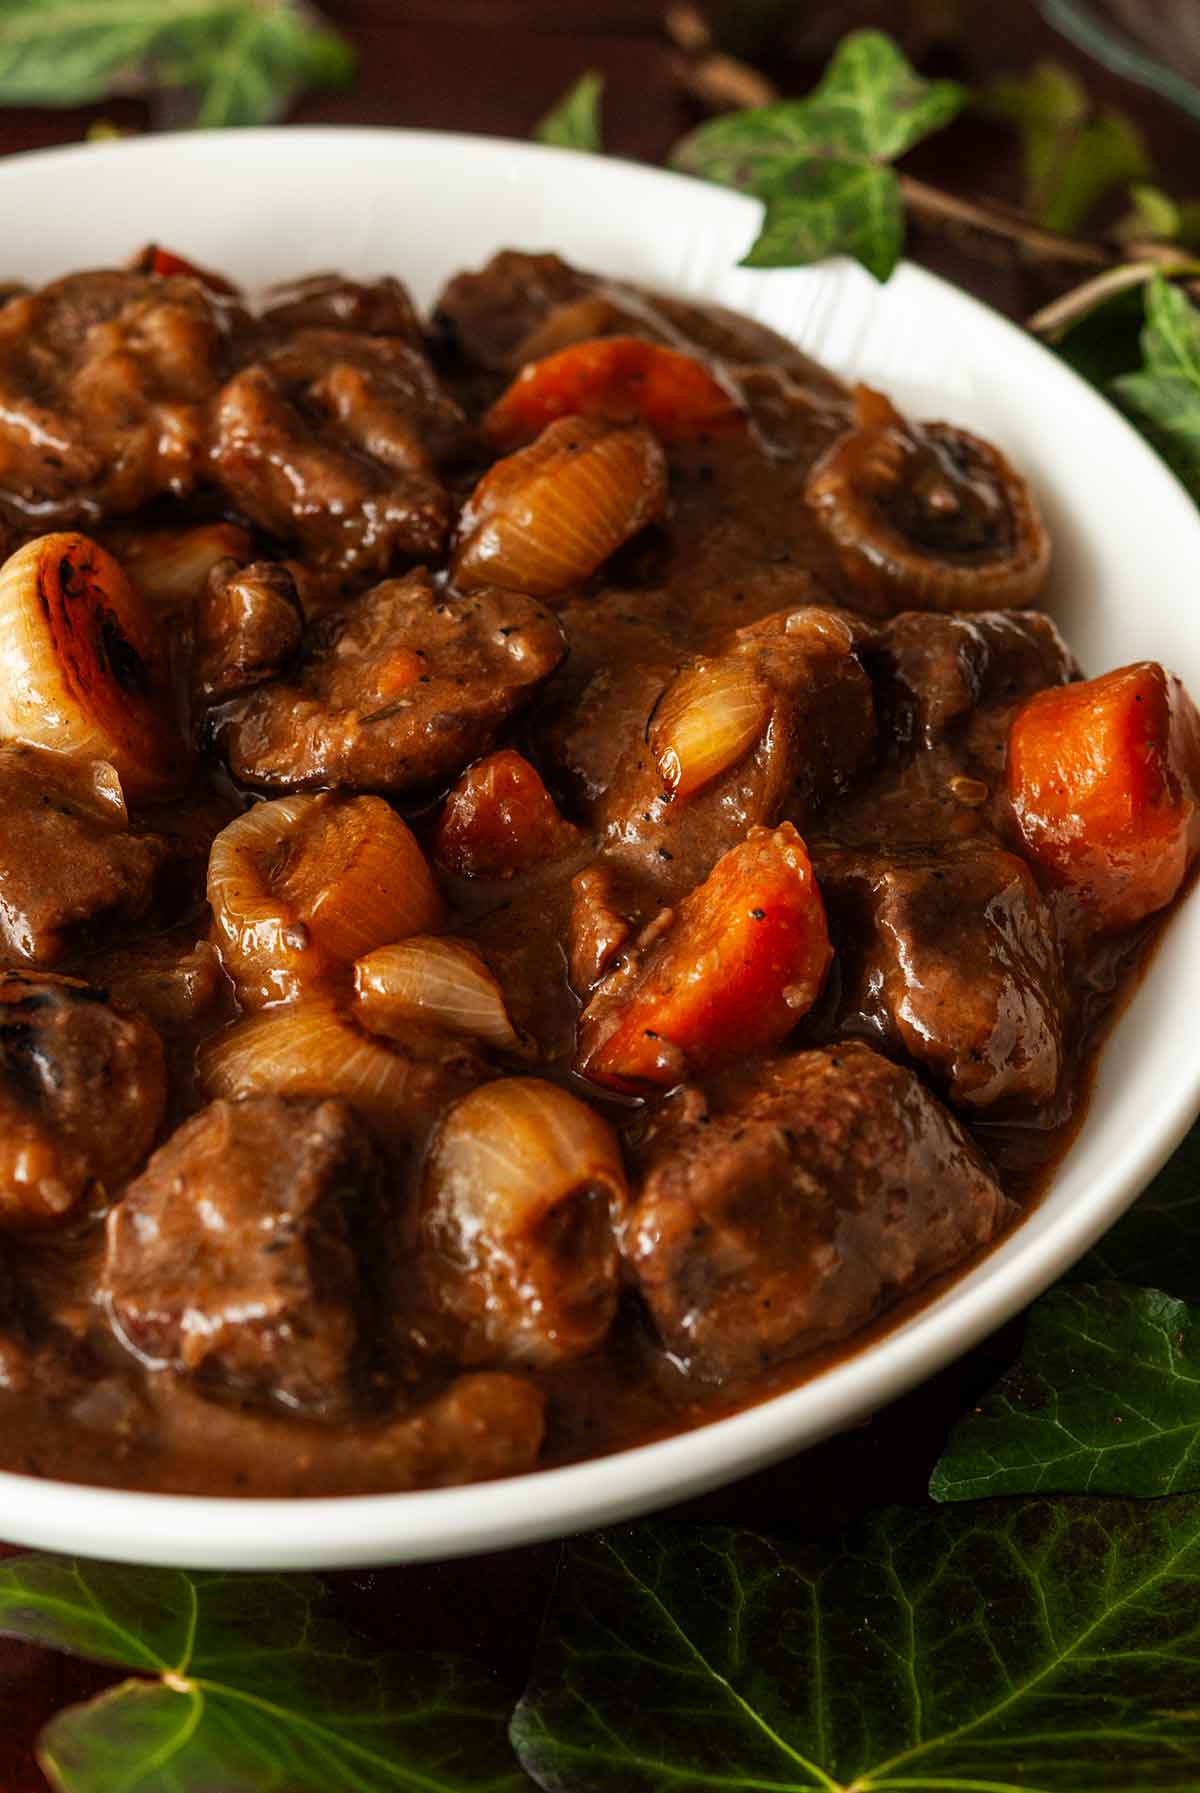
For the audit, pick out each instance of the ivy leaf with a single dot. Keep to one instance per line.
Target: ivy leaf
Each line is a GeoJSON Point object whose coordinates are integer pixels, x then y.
{"type": "Point", "coordinates": [244, 59]}
{"type": "Point", "coordinates": [821, 163]}
{"type": "Point", "coordinates": [1043, 1646]}
{"type": "Point", "coordinates": [1105, 1399]}
{"type": "Point", "coordinates": [1156, 1243]}
{"type": "Point", "coordinates": [826, 208]}
{"type": "Point", "coordinates": [252, 1688]}
{"type": "Point", "coordinates": [1165, 396]}
{"type": "Point", "coordinates": [575, 122]}
{"type": "Point", "coordinates": [1072, 155]}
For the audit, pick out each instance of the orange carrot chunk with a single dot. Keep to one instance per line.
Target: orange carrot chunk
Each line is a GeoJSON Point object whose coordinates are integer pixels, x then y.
{"type": "Point", "coordinates": [619, 377]}
{"type": "Point", "coordinates": [1104, 779]}
{"type": "Point", "coordinates": [499, 820]}
{"type": "Point", "coordinates": [154, 259]}
{"type": "Point", "coordinates": [745, 959]}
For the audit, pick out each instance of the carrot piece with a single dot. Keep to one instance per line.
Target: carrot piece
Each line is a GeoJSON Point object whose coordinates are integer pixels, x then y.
{"type": "Point", "coordinates": [745, 959]}
{"type": "Point", "coordinates": [500, 819]}
{"type": "Point", "coordinates": [1104, 780]}
{"type": "Point", "coordinates": [154, 259]}
{"type": "Point", "coordinates": [620, 377]}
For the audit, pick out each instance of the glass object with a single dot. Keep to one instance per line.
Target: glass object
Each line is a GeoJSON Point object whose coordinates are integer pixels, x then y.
{"type": "Point", "coordinates": [1153, 42]}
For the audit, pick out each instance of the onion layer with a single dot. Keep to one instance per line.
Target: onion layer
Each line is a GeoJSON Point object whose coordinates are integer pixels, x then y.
{"type": "Point", "coordinates": [708, 717]}
{"type": "Point", "coordinates": [81, 670]}
{"type": "Point", "coordinates": [437, 983]}
{"type": "Point", "coordinates": [545, 518]}
{"type": "Point", "coordinates": [313, 1049]}
{"type": "Point", "coordinates": [171, 566]}
{"type": "Point", "coordinates": [304, 885]}
{"type": "Point", "coordinates": [522, 1192]}
{"type": "Point", "coordinates": [927, 517]}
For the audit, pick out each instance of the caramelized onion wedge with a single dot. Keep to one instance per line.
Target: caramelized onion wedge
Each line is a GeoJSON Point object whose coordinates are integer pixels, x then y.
{"type": "Point", "coordinates": [437, 982]}
{"type": "Point", "coordinates": [927, 517]}
{"type": "Point", "coordinates": [313, 1049]}
{"type": "Point", "coordinates": [618, 377]}
{"type": "Point", "coordinates": [80, 666]}
{"type": "Point", "coordinates": [303, 885]}
{"type": "Point", "coordinates": [548, 516]}
{"type": "Point", "coordinates": [521, 1196]}
{"type": "Point", "coordinates": [708, 717]}
{"type": "Point", "coordinates": [171, 566]}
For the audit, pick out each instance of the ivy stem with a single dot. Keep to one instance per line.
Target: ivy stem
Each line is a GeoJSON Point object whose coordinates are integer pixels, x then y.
{"type": "Point", "coordinates": [933, 204]}
{"type": "Point", "coordinates": [1053, 319]}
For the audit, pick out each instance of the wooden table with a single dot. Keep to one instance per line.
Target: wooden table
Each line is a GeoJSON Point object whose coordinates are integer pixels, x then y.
{"type": "Point", "coordinates": [434, 63]}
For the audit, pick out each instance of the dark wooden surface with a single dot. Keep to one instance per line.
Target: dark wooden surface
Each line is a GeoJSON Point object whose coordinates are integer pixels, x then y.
{"type": "Point", "coordinates": [495, 66]}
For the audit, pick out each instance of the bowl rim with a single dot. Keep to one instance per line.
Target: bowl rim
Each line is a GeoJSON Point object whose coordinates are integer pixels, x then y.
{"type": "Point", "coordinates": [335, 1531]}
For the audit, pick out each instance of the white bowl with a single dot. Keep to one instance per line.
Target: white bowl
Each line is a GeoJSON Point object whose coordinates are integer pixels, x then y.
{"type": "Point", "coordinates": [269, 204]}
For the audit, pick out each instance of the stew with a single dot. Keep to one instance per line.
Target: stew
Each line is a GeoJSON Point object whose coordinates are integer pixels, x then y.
{"type": "Point", "coordinates": [551, 870]}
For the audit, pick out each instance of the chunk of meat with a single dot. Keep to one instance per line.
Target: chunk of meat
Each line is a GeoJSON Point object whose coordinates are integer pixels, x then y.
{"type": "Point", "coordinates": [732, 973]}
{"type": "Point", "coordinates": [333, 441]}
{"type": "Point", "coordinates": [521, 307]}
{"type": "Point", "coordinates": [825, 1190]}
{"type": "Point", "coordinates": [398, 690]}
{"type": "Point", "coordinates": [68, 863]}
{"type": "Point", "coordinates": [235, 1255]}
{"type": "Point", "coordinates": [82, 1096]}
{"type": "Point", "coordinates": [104, 379]}
{"type": "Point", "coordinates": [1104, 780]}
{"type": "Point", "coordinates": [936, 671]}
{"type": "Point", "coordinates": [486, 317]}
{"type": "Point", "coordinates": [776, 726]}
{"type": "Point", "coordinates": [485, 1423]}
{"type": "Point", "coordinates": [952, 958]}
{"type": "Point", "coordinates": [175, 980]}
{"type": "Point", "coordinates": [499, 820]}
{"type": "Point", "coordinates": [332, 302]}
{"type": "Point", "coordinates": [247, 626]}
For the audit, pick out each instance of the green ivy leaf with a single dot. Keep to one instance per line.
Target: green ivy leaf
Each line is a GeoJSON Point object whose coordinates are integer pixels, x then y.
{"type": "Point", "coordinates": [1017, 1647]}
{"type": "Point", "coordinates": [253, 1689]}
{"type": "Point", "coordinates": [1156, 1243]}
{"type": "Point", "coordinates": [1105, 1399]}
{"type": "Point", "coordinates": [1165, 396]}
{"type": "Point", "coordinates": [821, 163]}
{"type": "Point", "coordinates": [1072, 155]}
{"type": "Point", "coordinates": [829, 208]}
{"type": "Point", "coordinates": [245, 59]}
{"type": "Point", "coordinates": [575, 122]}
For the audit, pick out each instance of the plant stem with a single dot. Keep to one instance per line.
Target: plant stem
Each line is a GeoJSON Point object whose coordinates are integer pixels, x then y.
{"type": "Point", "coordinates": [932, 204]}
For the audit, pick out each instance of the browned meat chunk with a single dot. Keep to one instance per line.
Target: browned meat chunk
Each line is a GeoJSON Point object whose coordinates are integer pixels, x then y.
{"type": "Point", "coordinates": [487, 317]}
{"type": "Point", "coordinates": [333, 441]}
{"type": "Point", "coordinates": [398, 690]}
{"type": "Point", "coordinates": [936, 670]}
{"type": "Point", "coordinates": [82, 1096]}
{"type": "Point", "coordinates": [104, 379]}
{"type": "Point", "coordinates": [521, 307]}
{"type": "Point", "coordinates": [951, 956]}
{"type": "Point", "coordinates": [486, 1423]}
{"type": "Point", "coordinates": [66, 859]}
{"type": "Point", "coordinates": [246, 627]}
{"type": "Point", "coordinates": [174, 981]}
{"type": "Point", "coordinates": [832, 1185]}
{"type": "Point", "coordinates": [781, 722]}
{"type": "Point", "coordinates": [331, 302]}
{"type": "Point", "coordinates": [233, 1255]}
